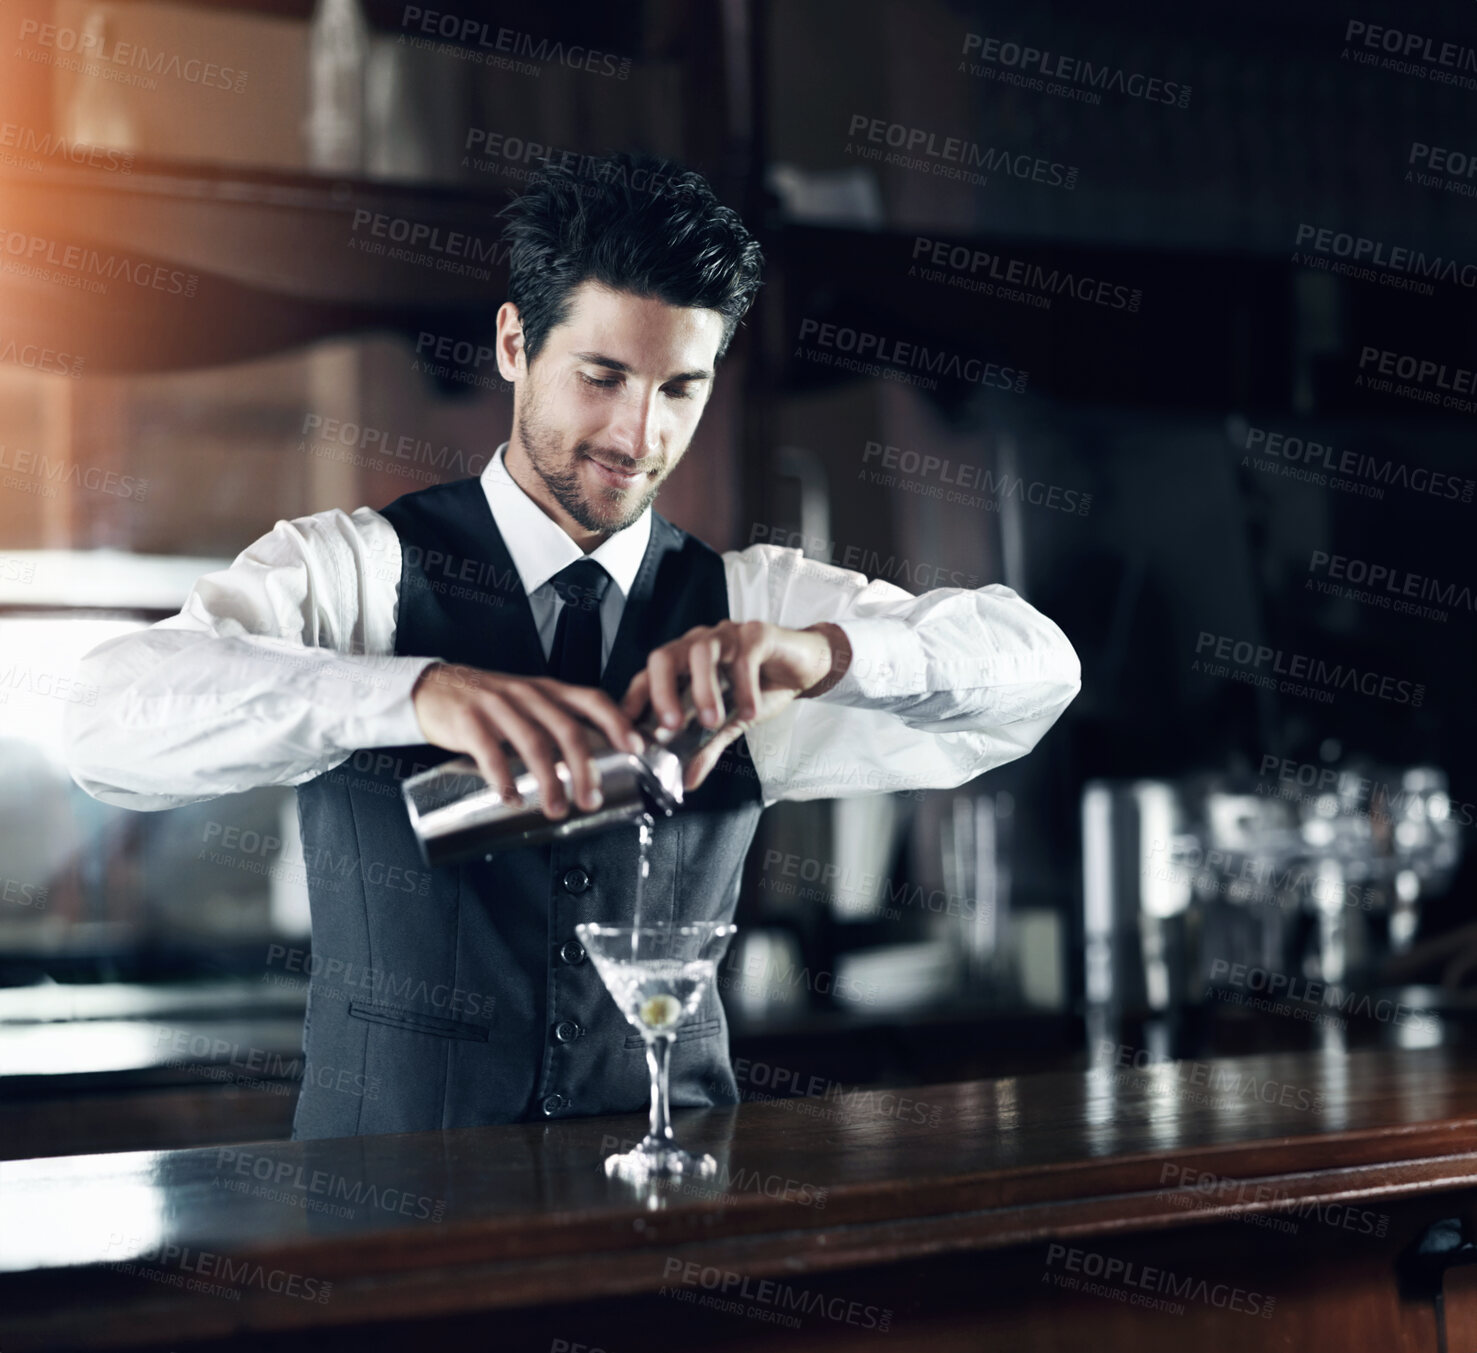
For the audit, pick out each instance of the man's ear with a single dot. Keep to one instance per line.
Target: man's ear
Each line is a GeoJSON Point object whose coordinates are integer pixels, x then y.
{"type": "Point", "coordinates": [509, 346]}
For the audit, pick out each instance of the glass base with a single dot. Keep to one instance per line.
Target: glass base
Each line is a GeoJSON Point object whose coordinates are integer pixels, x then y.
{"type": "Point", "coordinates": [655, 1159]}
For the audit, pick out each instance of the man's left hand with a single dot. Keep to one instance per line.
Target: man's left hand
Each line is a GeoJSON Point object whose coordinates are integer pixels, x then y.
{"type": "Point", "coordinates": [767, 666]}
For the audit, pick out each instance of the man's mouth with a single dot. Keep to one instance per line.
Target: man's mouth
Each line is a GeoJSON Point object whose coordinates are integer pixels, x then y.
{"type": "Point", "coordinates": [615, 477]}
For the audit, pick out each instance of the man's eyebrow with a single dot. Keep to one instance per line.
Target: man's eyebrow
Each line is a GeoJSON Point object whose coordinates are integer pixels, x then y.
{"type": "Point", "coordinates": [615, 364]}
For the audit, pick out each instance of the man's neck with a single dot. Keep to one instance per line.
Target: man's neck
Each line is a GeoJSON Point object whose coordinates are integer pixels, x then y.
{"type": "Point", "coordinates": [521, 470]}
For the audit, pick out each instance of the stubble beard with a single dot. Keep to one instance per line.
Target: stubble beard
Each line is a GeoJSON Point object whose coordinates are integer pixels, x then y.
{"type": "Point", "coordinates": [561, 476]}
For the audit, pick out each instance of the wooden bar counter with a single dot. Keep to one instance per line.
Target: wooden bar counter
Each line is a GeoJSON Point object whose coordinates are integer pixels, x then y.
{"type": "Point", "coordinates": [1261, 1202]}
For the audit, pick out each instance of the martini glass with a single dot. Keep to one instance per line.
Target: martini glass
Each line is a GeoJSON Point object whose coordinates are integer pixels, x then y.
{"type": "Point", "coordinates": [656, 974]}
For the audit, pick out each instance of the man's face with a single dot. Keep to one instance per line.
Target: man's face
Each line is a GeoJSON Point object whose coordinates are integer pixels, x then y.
{"type": "Point", "coordinates": [609, 405]}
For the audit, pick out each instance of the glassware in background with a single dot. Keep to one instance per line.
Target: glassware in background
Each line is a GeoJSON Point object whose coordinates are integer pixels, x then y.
{"type": "Point", "coordinates": [975, 845]}
{"type": "Point", "coordinates": [338, 52]}
{"type": "Point", "coordinates": [657, 975]}
{"type": "Point", "coordinates": [1310, 870]}
{"type": "Point", "coordinates": [99, 112]}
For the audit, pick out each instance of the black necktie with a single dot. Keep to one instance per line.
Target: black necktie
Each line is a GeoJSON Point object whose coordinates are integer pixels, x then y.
{"type": "Point", "coordinates": [575, 657]}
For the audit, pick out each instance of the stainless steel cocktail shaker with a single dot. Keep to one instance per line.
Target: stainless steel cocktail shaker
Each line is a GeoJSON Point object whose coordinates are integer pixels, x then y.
{"type": "Point", "coordinates": [457, 815]}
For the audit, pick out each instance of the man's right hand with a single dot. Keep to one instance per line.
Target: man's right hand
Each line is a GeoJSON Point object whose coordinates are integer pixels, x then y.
{"type": "Point", "coordinates": [467, 709]}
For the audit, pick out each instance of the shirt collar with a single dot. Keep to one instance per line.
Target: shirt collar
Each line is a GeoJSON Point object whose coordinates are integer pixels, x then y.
{"type": "Point", "coordinates": [538, 545]}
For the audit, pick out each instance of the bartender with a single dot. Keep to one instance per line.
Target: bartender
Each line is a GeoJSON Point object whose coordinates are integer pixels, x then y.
{"type": "Point", "coordinates": [503, 614]}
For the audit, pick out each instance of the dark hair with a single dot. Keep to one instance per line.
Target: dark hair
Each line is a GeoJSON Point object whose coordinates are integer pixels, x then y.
{"type": "Point", "coordinates": [635, 223]}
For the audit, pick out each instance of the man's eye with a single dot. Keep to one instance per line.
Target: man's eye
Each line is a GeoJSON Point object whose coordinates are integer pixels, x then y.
{"type": "Point", "coordinates": [683, 393]}
{"type": "Point", "coordinates": [604, 385]}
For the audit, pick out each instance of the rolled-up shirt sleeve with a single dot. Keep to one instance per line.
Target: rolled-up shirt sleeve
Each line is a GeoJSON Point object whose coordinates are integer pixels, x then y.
{"type": "Point", "coordinates": [941, 688]}
{"type": "Point", "coordinates": [275, 669]}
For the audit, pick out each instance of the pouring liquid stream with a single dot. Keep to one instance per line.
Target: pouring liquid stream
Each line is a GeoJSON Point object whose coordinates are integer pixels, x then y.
{"type": "Point", "coordinates": [644, 825]}
{"type": "Point", "coordinates": [662, 988]}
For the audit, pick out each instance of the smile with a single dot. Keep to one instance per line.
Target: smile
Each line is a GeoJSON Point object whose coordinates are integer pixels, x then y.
{"type": "Point", "coordinates": [617, 478]}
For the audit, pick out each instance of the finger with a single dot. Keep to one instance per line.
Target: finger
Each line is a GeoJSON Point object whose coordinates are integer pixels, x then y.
{"type": "Point", "coordinates": [594, 705]}
{"type": "Point", "coordinates": [570, 736]}
{"type": "Point", "coordinates": [702, 764]}
{"type": "Point", "coordinates": [537, 750]}
{"type": "Point", "coordinates": [702, 657]}
{"type": "Point", "coordinates": [743, 672]}
{"type": "Point", "coordinates": [487, 751]}
{"type": "Point", "coordinates": [730, 640]}
{"type": "Point", "coordinates": [661, 672]}
{"type": "Point", "coordinates": [636, 696]}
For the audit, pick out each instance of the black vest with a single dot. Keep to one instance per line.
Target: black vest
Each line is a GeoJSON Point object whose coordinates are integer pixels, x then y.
{"type": "Point", "coordinates": [459, 996]}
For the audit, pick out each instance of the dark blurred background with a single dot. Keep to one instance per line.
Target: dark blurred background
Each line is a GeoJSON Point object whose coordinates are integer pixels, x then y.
{"type": "Point", "coordinates": [1192, 288]}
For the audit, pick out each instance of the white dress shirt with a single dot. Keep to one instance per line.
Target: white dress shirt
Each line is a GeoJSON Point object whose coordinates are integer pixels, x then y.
{"type": "Point", "coordinates": [281, 666]}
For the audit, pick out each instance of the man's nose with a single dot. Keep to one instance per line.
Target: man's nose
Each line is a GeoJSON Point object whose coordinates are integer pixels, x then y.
{"type": "Point", "coordinates": [636, 430]}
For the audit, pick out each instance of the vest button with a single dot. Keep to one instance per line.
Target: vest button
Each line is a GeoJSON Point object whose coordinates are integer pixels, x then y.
{"type": "Point", "coordinates": [572, 951]}
{"type": "Point", "coordinates": [554, 1103]}
{"type": "Point", "coordinates": [566, 1031]}
{"type": "Point", "coordinates": [576, 880]}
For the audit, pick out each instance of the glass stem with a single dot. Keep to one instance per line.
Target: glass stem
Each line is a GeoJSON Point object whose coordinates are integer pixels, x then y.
{"type": "Point", "coordinates": [658, 1055]}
